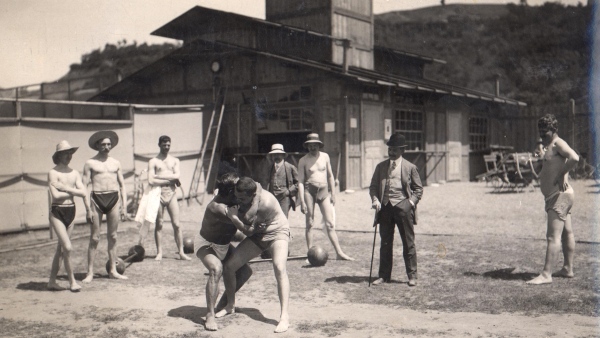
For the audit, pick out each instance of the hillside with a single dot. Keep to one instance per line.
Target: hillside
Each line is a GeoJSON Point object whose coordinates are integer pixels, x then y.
{"type": "Point", "coordinates": [542, 54]}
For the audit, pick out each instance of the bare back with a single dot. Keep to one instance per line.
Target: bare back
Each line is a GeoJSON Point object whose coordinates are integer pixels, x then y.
{"type": "Point", "coordinates": [314, 169]}
{"type": "Point", "coordinates": [553, 164]}
{"type": "Point", "coordinates": [103, 173]}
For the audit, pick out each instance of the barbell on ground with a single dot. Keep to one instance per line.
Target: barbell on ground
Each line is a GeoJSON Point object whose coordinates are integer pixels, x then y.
{"type": "Point", "coordinates": [136, 254]}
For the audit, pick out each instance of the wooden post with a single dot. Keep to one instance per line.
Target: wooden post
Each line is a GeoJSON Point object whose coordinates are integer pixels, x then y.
{"type": "Point", "coordinates": [572, 118]}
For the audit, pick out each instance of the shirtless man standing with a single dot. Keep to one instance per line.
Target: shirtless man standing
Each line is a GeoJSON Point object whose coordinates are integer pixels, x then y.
{"type": "Point", "coordinates": [558, 159]}
{"type": "Point", "coordinates": [163, 171]}
{"type": "Point", "coordinates": [317, 185]}
{"type": "Point", "coordinates": [64, 184]}
{"type": "Point", "coordinates": [106, 176]}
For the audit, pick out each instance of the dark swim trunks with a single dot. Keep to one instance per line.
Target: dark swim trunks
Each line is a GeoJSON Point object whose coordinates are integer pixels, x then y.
{"type": "Point", "coordinates": [64, 213]}
{"type": "Point", "coordinates": [105, 200]}
{"type": "Point", "coordinates": [318, 192]}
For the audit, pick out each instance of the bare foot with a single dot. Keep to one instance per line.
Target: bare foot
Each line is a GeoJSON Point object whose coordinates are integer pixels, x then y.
{"type": "Point", "coordinates": [158, 257]}
{"type": "Point", "coordinates": [283, 325]}
{"type": "Point", "coordinates": [211, 323]}
{"type": "Point", "coordinates": [540, 280]}
{"type": "Point", "coordinates": [564, 273]}
{"type": "Point", "coordinates": [53, 286]}
{"type": "Point", "coordinates": [343, 257]}
{"type": "Point", "coordinates": [224, 312]}
{"type": "Point", "coordinates": [184, 257]}
{"type": "Point", "coordinates": [88, 278]}
{"type": "Point", "coordinates": [116, 275]}
{"type": "Point", "coordinates": [75, 287]}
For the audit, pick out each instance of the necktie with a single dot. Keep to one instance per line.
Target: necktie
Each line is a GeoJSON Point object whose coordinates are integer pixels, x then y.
{"type": "Point", "coordinates": [386, 193]}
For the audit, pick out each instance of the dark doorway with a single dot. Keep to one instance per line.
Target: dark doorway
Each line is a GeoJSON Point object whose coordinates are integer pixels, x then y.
{"type": "Point", "coordinates": [292, 141]}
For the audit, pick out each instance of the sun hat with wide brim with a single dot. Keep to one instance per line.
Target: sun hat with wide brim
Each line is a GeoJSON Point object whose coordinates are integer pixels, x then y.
{"type": "Point", "coordinates": [397, 140]}
{"type": "Point", "coordinates": [101, 135]}
{"type": "Point", "coordinates": [277, 148]}
{"type": "Point", "coordinates": [313, 138]}
{"type": "Point", "coordinates": [63, 146]}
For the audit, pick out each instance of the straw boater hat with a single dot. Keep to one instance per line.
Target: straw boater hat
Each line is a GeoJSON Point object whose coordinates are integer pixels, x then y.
{"type": "Point", "coordinates": [277, 149]}
{"type": "Point", "coordinates": [101, 135]}
{"type": "Point", "coordinates": [397, 140]}
{"type": "Point", "coordinates": [313, 138]}
{"type": "Point", "coordinates": [63, 146]}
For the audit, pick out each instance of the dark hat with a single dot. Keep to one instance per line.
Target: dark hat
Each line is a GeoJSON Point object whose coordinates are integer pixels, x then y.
{"type": "Point", "coordinates": [397, 140]}
{"type": "Point", "coordinates": [277, 149]}
{"type": "Point", "coordinates": [313, 138]}
{"type": "Point", "coordinates": [63, 146]}
{"type": "Point", "coordinates": [101, 135]}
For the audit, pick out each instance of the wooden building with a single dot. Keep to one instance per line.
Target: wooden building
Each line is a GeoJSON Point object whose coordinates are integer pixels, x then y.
{"type": "Point", "coordinates": [313, 66]}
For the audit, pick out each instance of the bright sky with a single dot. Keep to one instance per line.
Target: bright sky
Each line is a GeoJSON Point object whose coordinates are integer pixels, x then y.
{"type": "Point", "coordinates": [40, 39]}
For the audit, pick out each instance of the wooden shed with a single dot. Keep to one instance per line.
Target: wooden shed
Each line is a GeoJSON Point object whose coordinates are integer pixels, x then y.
{"type": "Point", "coordinates": [312, 66]}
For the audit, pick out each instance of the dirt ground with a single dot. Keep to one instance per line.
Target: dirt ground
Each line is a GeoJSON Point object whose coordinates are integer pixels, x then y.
{"type": "Point", "coordinates": [161, 310]}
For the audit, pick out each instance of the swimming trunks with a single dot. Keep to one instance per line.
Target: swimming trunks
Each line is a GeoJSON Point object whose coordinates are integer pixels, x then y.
{"type": "Point", "coordinates": [561, 202]}
{"type": "Point", "coordinates": [219, 249]}
{"type": "Point", "coordinates": [264, 240]}
{"type": "Point", "coordinates": [166, 194]}
{"type": "Point", "coordinates": [64, 213]}
{"type": "Point", "coordinates": [105, 200]}
{"type": "Point", "coordinates": [319, 192]}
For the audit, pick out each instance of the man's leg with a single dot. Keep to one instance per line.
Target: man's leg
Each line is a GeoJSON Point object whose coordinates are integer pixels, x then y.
{"type": "Point", "coordinates": [328, 211]}
{"type": "Point", "coordinates": [173, 209]}
{"type": "Point", "coordinates": [243, 253]}
{"type": "Point", "coordinates": [158, 232]}
{"type": "Point", "coordinates": [386, 236]}
{"type": "Point", "coordinates": [407, 234]}
{"type": "Point", "coordinates": [553, 235]}
{"type": "Point", "coordinates": [94, 240]}
{"type": "Point", "coordinates": [279, 252]}
{"type": "Point", "coordinates": [52, 285]}
{"type": "Point", "coordinates": [144, 228]}
{"type": "Point", "coordinates": [568, 248]}
{"type": "Point", "coordinates": [310, 217]}
{"type": "Point", "coordinates": [241, 277]}
{"type": "Point", "coordinates": [215, 271]}
{"type": "Point", "coordinates": [112, 225]}
{"type": "Point", "coordinates": [285, 205]}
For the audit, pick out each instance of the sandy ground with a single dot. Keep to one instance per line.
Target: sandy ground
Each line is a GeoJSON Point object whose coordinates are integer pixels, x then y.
{"type": "Point", "coordinates": [160, 315]}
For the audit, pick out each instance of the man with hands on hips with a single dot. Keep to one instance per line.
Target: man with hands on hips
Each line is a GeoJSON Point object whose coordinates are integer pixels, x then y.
{"type": "Point", "coordinates": [395, 191]}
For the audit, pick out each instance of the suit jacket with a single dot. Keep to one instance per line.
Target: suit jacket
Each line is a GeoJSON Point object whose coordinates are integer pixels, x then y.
{"type": "Point", "coordinates": [291, 179]}
{"type": "Point", "coordinates": [411, 182]}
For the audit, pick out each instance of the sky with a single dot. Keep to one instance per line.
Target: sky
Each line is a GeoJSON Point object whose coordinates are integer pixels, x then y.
{"type": "Point", "coordinates": [41, 39]}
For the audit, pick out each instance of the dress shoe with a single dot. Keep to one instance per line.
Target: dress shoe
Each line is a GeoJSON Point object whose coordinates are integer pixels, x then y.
{"type": "Point", "coordinates": [378, 281]}
{"type": "Point", "coordinates": [412, 282]}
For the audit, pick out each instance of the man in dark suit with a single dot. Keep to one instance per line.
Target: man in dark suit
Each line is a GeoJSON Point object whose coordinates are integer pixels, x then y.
{"type": "Point", "coordinates": [395, 191]}
{"type": "Point", "coordinates": [283, 179]}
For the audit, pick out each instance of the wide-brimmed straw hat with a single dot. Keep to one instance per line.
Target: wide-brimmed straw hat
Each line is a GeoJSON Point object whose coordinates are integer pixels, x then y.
{"type": "Point", "coordinates": [313, 138]}
{"type": "Point", "coordinates": [277, 148]}
{"type": "Point", "coordinates": [101, 135]}
{"type": "Point", "coordinates": [397, 140]}
{"type": "Point", "coordinates": [63, 146]}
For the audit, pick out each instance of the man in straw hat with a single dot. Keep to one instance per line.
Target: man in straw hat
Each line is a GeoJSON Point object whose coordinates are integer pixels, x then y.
{"type": "Point", "coordinates": [316, 184]}
{"type": "Point", "coordinates": [163, 172]}
{"type": "Point", "coordinates": [395, 191]}
{"type": "Point", "coordinates": [106, 176]}
{"type": "Point", "coordinates": [64, 184]}
{"type": "Point", "coordinates": [283, 179]}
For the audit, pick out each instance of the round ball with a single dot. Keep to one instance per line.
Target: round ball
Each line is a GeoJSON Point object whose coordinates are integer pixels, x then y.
{"type": "Point", "coordinates": [265, 255]}
{"type": "Point", "coordinates": [317, 256]}
{"type": "Point", "coordinates": [188, 245]}
{"type": "Point", "coordinates": [238, 237]}
{"type": "Point", "coordinates": [119, 264]}
{"type": "Point", "coordinates": [139, 253]}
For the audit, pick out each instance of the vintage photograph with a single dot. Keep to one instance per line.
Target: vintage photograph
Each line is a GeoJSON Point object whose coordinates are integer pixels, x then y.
{"type": "Point", "coordinates": [300, 168]}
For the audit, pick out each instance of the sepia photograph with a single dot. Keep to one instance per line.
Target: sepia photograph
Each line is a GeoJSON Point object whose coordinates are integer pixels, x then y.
{"type": "Point", "coordinates": [300, 168]}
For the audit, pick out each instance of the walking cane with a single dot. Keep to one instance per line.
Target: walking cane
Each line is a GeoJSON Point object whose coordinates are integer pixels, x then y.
{"type": "Point", "coordinates": [375, 222]}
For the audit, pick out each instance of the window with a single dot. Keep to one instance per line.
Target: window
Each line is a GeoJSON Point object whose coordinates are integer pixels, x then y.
{"type": "Point", "coordinates": [409, 122]}
{"type": "Point", "coordinates": [478, 129]}
{"type": "Point", "coordinates": [288, 119]}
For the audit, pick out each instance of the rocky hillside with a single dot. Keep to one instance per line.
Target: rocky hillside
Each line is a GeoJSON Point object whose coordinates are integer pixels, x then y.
{"type": "Point", "coordinates": [542, 54]}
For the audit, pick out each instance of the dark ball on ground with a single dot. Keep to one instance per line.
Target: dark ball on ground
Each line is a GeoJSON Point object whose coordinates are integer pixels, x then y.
{"type": "Point", "coordinates": [138, 252]}
{"type": "Point", "coordinates": [188, 245]}
{"type": "Point", "coordinates": [317, 256]}
{"type": "Point", "coordinates": [238, 237]}
{"type": "Point", "coordinates": [119, 264]}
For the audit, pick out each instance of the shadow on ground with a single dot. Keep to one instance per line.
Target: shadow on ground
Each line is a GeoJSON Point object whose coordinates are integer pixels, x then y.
{"type": "Point", "coordinates": [504, 274]}
{"type": "Point", "coordinates": [197, 314]}
{"type": "Point", "coordinates": [358, 280]}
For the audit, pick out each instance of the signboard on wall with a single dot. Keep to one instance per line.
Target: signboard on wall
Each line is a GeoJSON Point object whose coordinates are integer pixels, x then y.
{"type": "Point", "coordinates": [387, 129]}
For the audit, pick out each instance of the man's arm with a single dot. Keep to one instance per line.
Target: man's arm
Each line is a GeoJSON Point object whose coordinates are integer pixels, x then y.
{"type": "Point", "coordinates": [571, 161]}
{"type": "Point", "coordinates": [415, 185]}
{"type": "Point", "coordinates": [52, 185]}
{"type": "Point", "coordinates": [374, 189]}
{"type": "Point", "coordinates": [84, 195]}
{"type": "Point", "coordinates": [232, 213]}
{"type": "Point", "coordinates": [330, 179]}
{"type": "Point", "coordinates": [301, 171]}
{"type": "Point", "coordinates": [293, 189]}
{"type": "Point", "coordinates": [170, 176]}
{"type": "Point", "coordinates": [87, 171]}
{"type": "Point", "coordinates": [121, 182]}
{"type": "Point", "coordinates": [154, 179]}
